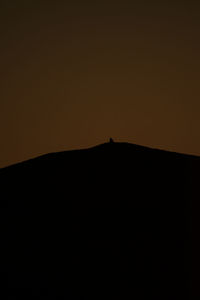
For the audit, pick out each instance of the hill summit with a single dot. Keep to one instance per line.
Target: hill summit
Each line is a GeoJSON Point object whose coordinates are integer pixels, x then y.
{"type": "Point", "coordinates": [113, 221]}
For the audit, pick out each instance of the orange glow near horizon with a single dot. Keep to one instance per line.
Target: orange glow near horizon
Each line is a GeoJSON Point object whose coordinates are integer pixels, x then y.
{"type": "Point", "coordinates": [72, 75]}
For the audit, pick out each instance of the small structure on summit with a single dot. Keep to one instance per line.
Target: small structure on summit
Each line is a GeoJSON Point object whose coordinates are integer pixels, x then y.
{"type": "Point", "coordinates": [111, 140]}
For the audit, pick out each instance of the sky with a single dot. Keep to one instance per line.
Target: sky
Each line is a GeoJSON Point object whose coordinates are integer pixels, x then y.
{"type": "Point", "coordinates": [75, 73]}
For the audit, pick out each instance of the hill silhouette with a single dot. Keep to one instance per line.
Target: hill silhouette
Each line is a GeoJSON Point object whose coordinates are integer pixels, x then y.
{"type": "Point", "coordinates": [115, 221]}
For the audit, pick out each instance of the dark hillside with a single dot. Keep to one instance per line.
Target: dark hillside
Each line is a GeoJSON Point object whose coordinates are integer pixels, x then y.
{"type": "Point", "coordinates": [116, 221]}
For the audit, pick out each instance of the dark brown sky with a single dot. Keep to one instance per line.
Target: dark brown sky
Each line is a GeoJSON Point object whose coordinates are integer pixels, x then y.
{"type": "Point", "coordinates": [74, 73]}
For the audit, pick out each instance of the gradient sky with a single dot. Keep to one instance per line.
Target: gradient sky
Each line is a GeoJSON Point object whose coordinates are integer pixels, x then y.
{"type": "Point", "coordinates": [74, 73]}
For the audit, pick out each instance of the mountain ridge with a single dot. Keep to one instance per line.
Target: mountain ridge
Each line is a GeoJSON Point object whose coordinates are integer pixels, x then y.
{"type": "Point", "coordinates": [112, 146]}
{"type": "Point", "coordinates": [115, 220]}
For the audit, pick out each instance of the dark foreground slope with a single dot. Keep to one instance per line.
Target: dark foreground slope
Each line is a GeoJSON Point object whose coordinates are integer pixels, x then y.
{"type": "Point", "coordinates": [117, 221]}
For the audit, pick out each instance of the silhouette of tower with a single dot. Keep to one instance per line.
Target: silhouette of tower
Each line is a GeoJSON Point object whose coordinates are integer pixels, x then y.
{"type": "Point", "coordinates": [111, 140]}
